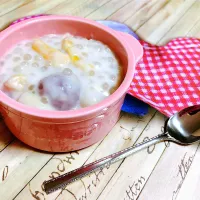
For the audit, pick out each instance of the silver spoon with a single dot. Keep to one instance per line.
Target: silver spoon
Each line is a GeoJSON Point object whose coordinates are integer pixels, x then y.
{"type": "Point", "coordinates": [182, 128]}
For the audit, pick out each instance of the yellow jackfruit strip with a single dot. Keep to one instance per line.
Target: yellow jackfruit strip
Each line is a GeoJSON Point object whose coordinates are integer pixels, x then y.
{"type": "Point", "coordinates": [67, 46]}
{"type": "Point", "coordinates": [53, 55]}
{"type": "Point", "coordinates": [42, 48]}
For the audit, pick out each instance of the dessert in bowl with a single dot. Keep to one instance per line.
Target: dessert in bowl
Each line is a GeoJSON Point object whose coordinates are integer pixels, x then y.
{"type": "Point", "coordinates": [63, 80]}
{"type": "Point", "coordinates": [60, 72]}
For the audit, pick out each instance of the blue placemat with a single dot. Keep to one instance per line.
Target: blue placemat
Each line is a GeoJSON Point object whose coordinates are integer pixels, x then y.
{"type": "Point", "coordinates": [131, 104]}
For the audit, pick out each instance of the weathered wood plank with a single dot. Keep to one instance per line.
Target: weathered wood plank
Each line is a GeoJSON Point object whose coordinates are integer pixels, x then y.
{"type": "Point", "coordinates": [18, 164]}
{"type": "Point", "coordinates": [34, 7]}
{"type": "Point", "coordinates": [88, 7]}
{"type": "Point", "coordinates": [66, 7]}
{"type": "Point", "coordinates": [195, 31]}
{"type": "Point", "coordinates": [145, 13]}
{"type": "Point", "coordinates": [171, 170]}
{"type": "Point", "coordinates": [107, 9]}
{"type": "Point", "coordinates": [125, 12]}
{"type": "Point", "coordinates": [185, 24]}
{"type": "Point", "coordinates": [155, 28]}
{"type": "Point", "coordinates": [3, 1]}
{"type": "Point", "coordinates": [58, 165]}
{"type": "Point", "coordinates": [191, 182]}
{"type": "Point", "coordinates": [10, 5]}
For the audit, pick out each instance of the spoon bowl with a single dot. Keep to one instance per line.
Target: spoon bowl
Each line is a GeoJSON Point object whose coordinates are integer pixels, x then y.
{"type": "Point", "coordinates": [184, 126]}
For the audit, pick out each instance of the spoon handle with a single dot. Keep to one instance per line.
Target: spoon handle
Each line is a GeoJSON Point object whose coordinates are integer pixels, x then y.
{"type": "Point", "coordinates": [77, 174]}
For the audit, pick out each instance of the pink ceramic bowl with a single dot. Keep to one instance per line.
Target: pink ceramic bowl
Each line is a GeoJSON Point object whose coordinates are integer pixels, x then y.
{"type": "Point", "coordinates": [63, 131]}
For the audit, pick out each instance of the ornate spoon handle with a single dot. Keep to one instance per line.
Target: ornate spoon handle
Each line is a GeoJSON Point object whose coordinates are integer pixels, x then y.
{"type": "Point", "coordinates": [65, 179]}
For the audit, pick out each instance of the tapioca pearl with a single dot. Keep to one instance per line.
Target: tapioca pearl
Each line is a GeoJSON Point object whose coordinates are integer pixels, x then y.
{"type": "Point", "coordinates": [44, 100]}
{"type": "Point", "coordinates": [18, 68]}
{"type": "Point", "coordinates": [113, 78]}
{"type": "Point", "coordinates": [91, 73]}
{"type": "Point", "coordinates": [97, 64]}
{"type": "Point", "coordinates": [27, 57]}
{"type": "Point", "coordinates": [105, 86]}
{"type": "Point", "coordinates": [24, 64]}
{"type": "Point", "coordinates": [44, 68]}
{"type": "Point", "coordinates": [84, 54]}
{"type": "Point", "coordinates": [31, 87]}
{"type": "Point", "coordinates": [107, 50]}
{"type": "Point", "coordinates": [35, 64]}
{"type": "Point", "coordinates": [99, 49]}
{"type": "Point", "coordinates": [16, 59]}
{"type": "Point", "coordinates": [79, 46]}
{"type": "Point", "coordinates": [37, 58]}
{"type": "Point", "coordinates": [67, 71]}
{"type": "Point", "coordinates": [18, 50]}
{"type": "Point", "coordinates": [110, 59]}
{"type": "Point", "coordinates": [48, 63]}
{"type": "Point", "coordinates": [94, 42]}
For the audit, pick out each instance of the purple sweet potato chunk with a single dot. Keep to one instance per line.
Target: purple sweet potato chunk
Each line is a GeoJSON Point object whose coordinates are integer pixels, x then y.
{"type": "Point", "coordinates": [63, 91]}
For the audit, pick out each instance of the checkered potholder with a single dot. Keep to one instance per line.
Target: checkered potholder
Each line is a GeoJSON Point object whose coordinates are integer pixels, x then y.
{"type": "Point", "coordinates": [168, 77]}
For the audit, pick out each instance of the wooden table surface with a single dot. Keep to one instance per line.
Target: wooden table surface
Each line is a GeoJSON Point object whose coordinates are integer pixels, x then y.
{"type": "Point", "coordinates": [165, 171]}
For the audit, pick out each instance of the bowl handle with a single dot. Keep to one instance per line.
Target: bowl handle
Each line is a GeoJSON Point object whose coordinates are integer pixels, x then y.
{"type": "Point", "coordinates": [133, 44]}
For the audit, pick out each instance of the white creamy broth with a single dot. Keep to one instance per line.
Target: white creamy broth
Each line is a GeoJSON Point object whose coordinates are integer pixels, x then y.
{"type": "Point", "coordinates": [60, 72]}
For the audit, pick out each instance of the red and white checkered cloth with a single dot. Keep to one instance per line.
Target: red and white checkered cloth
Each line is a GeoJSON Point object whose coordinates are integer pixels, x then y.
{"type": "Point", "coordinates": [168, 77]}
